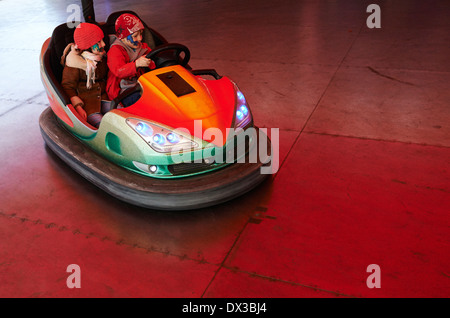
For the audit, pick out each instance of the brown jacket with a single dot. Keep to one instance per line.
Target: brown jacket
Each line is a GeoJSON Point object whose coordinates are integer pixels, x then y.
{"type": "Point", "coordinates": [74, 84]}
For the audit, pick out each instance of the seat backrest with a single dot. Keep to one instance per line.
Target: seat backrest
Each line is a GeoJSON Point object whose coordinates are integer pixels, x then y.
{"type": "Point", "coordinates": [151, 37]}
{"type": "Point", "coordinates": [61, 37]}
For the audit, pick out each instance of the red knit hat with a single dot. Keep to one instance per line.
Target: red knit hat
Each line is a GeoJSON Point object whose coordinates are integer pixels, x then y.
{"type": "Point", "coordinates": [127, 24]}
{"type": "Point", "coordinates": [86, 35]}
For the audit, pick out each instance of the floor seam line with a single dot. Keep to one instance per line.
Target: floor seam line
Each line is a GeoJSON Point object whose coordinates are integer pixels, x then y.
{"type": "Point", "coordinates": [28, 101]}
{"type": "Point", "coordinates": [119, 242]}
{"type": "Point", "coordinates": [318, 102]}
{"type": "Point", "coordinates": [222, 264]}
{"type": "Point", "coordinates": [286, 281]}
{"type": "Point", "coordinates": [375, 139]}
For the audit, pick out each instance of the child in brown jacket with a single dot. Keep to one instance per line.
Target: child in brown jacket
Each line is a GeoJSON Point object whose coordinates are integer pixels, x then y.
{"type": "Point", "coordinates": [86, 88]}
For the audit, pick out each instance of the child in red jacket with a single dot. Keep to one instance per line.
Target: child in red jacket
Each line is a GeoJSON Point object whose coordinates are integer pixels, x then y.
{"type": "Point", "coordinates": [126, 57]}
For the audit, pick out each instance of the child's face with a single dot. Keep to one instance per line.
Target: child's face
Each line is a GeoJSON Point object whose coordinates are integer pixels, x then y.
{"type": "Point", "coordinates": [99, 47]}
{"type": "Point", "coordinates": [134, 40]}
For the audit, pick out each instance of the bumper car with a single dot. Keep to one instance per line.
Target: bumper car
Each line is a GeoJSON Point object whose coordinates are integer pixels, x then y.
{"type": "Point", "coordinates": [189, 141]}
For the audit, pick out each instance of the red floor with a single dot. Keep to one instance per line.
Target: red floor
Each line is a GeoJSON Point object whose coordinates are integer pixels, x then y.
{"type": "Point", "coordinates": [364, 145]}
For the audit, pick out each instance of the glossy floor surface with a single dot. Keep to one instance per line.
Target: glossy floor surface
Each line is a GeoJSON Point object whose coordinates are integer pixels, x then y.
{"type": "Point", "coordinates": [364, 160]}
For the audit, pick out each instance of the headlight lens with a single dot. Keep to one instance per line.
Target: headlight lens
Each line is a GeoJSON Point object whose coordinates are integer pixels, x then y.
{"type": "Point", "coordinates": [243, 115]}
{"type": "Point", "coordinates": [144, 129]}
{"type": "Point", "coordinates": [160, 138]}
{"type": "Point", "coordinates": [173, 138]}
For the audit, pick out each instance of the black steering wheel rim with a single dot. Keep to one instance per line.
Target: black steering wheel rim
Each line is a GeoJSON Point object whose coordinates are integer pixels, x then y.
{"type": "Point", "coordinates": [162, 60]}
{"type": "Point", "coordinates": [116, 101]}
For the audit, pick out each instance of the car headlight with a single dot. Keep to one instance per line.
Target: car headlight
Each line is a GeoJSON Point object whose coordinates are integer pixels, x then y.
{"type": "Point", "coordinates": [243, 116]}
{"type": "Point", "coordinates": [160, 138]}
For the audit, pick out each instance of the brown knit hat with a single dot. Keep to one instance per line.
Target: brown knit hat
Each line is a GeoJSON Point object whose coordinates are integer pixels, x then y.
{"type": "Point", "coordinates": [86, 35]}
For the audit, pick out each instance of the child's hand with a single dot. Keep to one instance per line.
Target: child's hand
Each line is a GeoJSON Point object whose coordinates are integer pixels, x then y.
{"type": "Point", "coordinates": [81, 112]}
{"type": "Point", "coordinates": [77, 103]}
{"type": "Point", "coordinates": [74, 59]}
{"type": "Point", "coordinates": [143, 62]}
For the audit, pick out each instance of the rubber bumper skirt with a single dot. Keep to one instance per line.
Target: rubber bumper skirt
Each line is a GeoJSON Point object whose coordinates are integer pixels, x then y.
{"type": "Point", "coordinates": [162, 194]}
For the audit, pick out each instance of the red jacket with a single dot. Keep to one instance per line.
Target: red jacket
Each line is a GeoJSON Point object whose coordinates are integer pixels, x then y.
{"type": "Point", "coordinates": [121, 67]}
